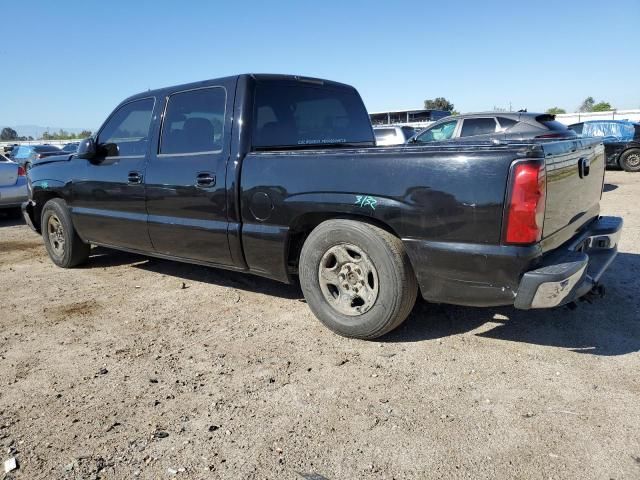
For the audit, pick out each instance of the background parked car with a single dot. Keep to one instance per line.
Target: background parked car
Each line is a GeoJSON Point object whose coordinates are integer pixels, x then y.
{"type": "Point", "coordinates": [9, 148]}
{"type": "Point", "coordinates": [26, 154]}
{"type": "Point", "coordinates": [621, 140]}
{"type": "Point", "coordinates": [13, 187]}
{"type": "Point", "coordinates": [393, 135]}
{"type": "Point", "coordinates": [494, 125]}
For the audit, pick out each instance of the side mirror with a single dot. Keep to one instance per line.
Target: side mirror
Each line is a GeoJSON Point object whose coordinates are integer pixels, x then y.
{"type": "Point", "coordinates": [87, 149]}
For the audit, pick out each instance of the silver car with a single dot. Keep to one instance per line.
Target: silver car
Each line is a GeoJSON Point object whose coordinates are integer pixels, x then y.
{"type": "Point", "coordinates": [482, 127]}
{"type": "Point", "coordinates": [13, 187]}
{"type": "Point", "coordinates": [393, 135]}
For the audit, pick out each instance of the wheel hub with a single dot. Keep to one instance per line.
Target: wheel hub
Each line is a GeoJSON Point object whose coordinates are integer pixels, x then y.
{"type": "Point", "coordinates": [348, 279]}
{"type": "Point", "coordinates": [55, 232]}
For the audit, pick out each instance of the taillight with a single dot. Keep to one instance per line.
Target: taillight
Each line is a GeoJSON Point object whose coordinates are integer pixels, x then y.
{"type": "Point", "coordinates": [21, 171]}
{"type": "Point", "coordinates": [525, 214]}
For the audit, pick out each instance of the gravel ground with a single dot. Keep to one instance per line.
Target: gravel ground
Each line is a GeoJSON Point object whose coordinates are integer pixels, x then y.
{"type": "Point", "coordinates": [132, 366]}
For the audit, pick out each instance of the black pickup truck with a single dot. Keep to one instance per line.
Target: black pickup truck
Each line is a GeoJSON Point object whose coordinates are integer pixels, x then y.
{"type": "Point", "coordinates": [280, 176]}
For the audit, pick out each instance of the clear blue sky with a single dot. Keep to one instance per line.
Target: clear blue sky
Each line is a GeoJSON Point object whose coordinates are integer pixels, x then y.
{"type": "Point", "coordinates": [68, 63]}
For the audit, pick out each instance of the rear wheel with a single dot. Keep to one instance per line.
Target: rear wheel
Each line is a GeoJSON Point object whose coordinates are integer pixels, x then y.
{"type": "Point", "coordinates": [63, 244]}
{"type": "Point", "coordinates": [357, 278]}
{"type": "Point", "coordinates": [630, 160]}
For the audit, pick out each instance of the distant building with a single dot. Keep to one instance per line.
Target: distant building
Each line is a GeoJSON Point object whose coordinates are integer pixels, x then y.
{"type": "Point", "coordinates": [414, 118]}
{"type": "Point", "coordinates": [569, 118]}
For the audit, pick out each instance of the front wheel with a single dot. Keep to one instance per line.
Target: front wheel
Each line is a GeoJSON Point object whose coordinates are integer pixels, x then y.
{"type": "Point", "coordinates": [630, 160]}
{"type": "Point", "coordinates": [357, 278]}
{"type": "Point", "coordinates": [63, 244]}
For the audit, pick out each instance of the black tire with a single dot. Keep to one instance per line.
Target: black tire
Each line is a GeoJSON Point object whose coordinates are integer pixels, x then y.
{"type": "Point", "coordinates": [630, 160]}
{"type": "Point", "coordinates": [395, 282]}
{"type": "Point", "coordinates": [63, 244]}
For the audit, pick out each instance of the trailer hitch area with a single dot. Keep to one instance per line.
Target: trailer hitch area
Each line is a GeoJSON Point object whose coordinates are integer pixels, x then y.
{"type": "Point", "coordinates": [598, 291]}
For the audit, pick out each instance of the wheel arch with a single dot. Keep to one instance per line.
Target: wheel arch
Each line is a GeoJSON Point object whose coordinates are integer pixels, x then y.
{"type": "Point", "coordinates": [304, 224]}
{"type": "Point", "coordinates": [40, 198]}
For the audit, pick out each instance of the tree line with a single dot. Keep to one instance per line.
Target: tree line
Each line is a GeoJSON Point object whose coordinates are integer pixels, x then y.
{"type": "Point", "coordinates": [588, 105]}
{"type": "Point", "coordinates": [8, 134]}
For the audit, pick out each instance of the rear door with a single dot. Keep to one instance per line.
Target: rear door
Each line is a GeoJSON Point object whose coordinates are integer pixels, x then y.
{"type": "Point", "coordinates": [185, 179]}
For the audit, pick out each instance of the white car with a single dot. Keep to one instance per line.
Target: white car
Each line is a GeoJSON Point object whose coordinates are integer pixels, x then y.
{"type": "Point", "coordinates": [393, 135]}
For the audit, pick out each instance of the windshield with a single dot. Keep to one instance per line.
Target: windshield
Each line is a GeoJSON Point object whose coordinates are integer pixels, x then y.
{"type": "Point", "coordinates": [298, 115]}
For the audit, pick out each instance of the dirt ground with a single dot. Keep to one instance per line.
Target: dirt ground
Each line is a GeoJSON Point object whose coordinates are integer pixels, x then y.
{"type": "Point", "coordinates": [116, 370]}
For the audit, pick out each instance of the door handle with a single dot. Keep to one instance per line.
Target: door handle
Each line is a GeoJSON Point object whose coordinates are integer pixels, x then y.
{"type": "Point", "coordinates": [205, 179]}
{"type": "Point", "coordinates": [584, 165]}
{"type": "Point", "coordinates": [135, 177]}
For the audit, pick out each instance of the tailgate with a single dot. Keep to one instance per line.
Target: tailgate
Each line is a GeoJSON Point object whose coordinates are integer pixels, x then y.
{"type": "Point", "coordinates": [575, 174]}
{"type": "Point", "coordinates": [8, 173]}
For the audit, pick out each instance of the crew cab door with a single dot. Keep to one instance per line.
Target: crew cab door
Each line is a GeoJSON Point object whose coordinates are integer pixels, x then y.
{"type": "Point", "coordinates": [185, 179]}
{"type": "Point", "coordinates": [108, 201]}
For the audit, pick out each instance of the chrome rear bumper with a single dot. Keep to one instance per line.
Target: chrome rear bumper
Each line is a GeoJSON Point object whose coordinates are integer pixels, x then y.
{"type": "Point", "coordinates": [573, 271]}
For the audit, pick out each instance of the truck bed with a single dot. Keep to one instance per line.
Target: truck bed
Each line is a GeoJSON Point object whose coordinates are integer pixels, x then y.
{"type": "Point", "coordinates": [449, 199]}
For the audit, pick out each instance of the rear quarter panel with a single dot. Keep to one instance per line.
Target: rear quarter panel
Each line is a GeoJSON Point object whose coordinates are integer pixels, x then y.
{"type": "Point", "coordinates": [431, 193]}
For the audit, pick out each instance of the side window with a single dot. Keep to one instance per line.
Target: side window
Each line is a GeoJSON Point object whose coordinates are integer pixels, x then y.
{"type": "Point", "coordinates": [127, 130]}
{"type": "Point", "coordinates": [477, 126]}
{"type": "Point", "coordinates": [444, 131]}
{"type": "Point", "coordinates": [506, 123]}
{"type": "Point", "coordinates": [194, 122]}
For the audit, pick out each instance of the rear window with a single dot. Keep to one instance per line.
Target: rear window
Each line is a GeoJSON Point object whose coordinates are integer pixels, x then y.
{"type": "Point", "coordinates": [550, 122]}
{"type": "Point", "coordinates": [298, 115]}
